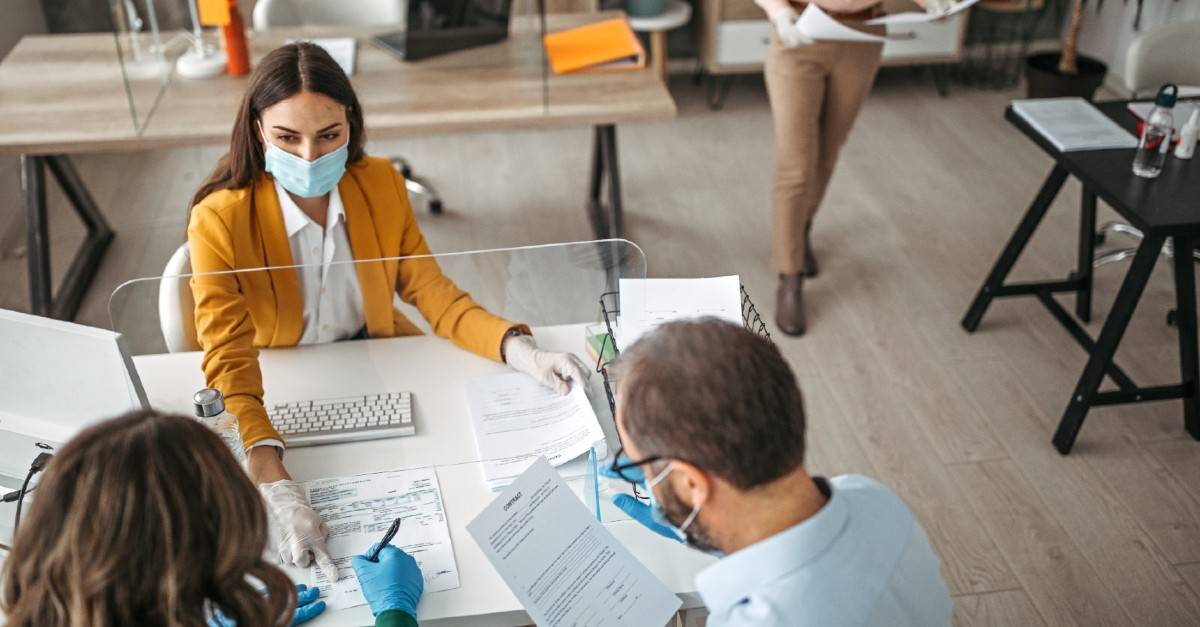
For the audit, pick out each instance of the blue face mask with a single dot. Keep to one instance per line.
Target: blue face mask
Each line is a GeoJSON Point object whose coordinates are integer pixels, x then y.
{"type": "Point", "coordinates": [307, 179]}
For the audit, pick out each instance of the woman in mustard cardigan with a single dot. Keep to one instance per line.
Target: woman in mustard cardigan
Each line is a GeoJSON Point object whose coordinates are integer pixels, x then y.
{"type": "Point", "coordinates": [297, 188]}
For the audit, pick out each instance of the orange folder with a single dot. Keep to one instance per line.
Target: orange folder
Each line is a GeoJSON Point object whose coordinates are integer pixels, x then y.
{"type": "Point", "coordinates": [604, 46]}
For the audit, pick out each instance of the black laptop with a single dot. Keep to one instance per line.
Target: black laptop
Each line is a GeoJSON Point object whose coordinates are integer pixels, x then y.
{"type": "Point", "coordinates": [441, 26]}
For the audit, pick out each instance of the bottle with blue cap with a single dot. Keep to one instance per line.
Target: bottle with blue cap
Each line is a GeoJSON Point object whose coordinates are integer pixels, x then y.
{"type": "Point", "coordinates": [210, 409]}
{"type": "Point", "coordinates": [1157, 129]}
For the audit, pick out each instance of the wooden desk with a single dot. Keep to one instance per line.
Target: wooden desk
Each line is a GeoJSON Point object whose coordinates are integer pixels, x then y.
{"type": "Point", "coordinates": [1163, 209]}
{"type": "Point", "coordinates": [63, 94]}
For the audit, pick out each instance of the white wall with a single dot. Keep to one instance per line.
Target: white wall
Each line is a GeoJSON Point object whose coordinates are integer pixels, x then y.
{"type": "Point", "coordinates": [1107, 35]}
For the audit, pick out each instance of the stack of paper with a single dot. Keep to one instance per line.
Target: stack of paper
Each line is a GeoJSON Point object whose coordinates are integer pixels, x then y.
{"type": "Point", "coordinates": [1073, 124]}
{"type": "Point", "coordinates": [360, 508]}
{"type": "Point", "coordinates": [340, 48]}
{"type": "Point", "coordinates": [517, 419]}
{"type": "Point", "coordinates": [921, 17]}
{"type": "Point", "coordinates": [647, 303]}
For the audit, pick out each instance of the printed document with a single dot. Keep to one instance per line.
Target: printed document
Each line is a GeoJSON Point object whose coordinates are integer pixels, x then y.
{"type": "Point", "coordinates": [516, 419]}
{"type": "Point", "coordinates": [1073, 124]}
{"type": "Point", "coordinates": [920, 17]}
{"type": "Point", "coordinates": [819, 26]}
{"type": "Point", "coordinates": [564, 567]}
{"type": "Point", "coordinates": [340, 48]}
{"type": "Point", "coordinates": [647, 303]}
{"type": "Point", "coordinates": [360, 508]}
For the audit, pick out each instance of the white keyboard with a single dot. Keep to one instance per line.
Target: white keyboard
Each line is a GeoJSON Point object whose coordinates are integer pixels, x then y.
{"type": "Point", "coordinates": [349, 419]}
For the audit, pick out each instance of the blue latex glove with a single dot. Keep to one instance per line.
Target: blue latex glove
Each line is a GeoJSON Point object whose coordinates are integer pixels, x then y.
{"type": "Point", "coordinates": [640, 512]}
{"type": "Point", "coordinates": [392, 583]}
{"type": "Point", "coordinates": [632, 507]}
{"type": "Point", "coordinates": [308, 606]}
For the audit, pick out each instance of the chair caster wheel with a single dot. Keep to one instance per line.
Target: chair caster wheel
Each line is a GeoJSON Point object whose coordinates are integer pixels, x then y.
{"type": "Point", "coordinates": [1100, 238]}
{"type": "Point", "coordinates": [435, 206]}
{"type": "Point", "coordinates": [406, 171]}
{"type": "Point", "coordinates": [1171, 318]}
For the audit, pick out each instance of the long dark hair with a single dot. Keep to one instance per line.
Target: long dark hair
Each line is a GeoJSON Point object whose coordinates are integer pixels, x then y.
{"type": "Point", "coordinates": [283, 73]}
{"type": "Point", "coordinates": [144, 520]}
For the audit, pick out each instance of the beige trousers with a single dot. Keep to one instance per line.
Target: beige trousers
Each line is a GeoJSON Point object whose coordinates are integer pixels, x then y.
{"type": "Point", "coordinates": [815, 92]}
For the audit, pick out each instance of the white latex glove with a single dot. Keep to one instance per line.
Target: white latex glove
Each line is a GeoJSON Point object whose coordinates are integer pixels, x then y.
{"type": "Point", "coordinates": [302, 532]}
{"type": "Point", "coordinates": [790, 35]}
{"type": "Point", "coordinates": [553, 370]}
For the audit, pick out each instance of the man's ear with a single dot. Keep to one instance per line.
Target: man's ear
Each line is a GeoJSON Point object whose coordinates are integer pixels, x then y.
{"type": "Point", "coordinates": [692, 484]}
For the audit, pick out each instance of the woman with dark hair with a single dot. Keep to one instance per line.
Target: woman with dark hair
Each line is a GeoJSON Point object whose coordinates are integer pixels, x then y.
{"type": "Point", "coordinates": [297, 189]}
{"type": "Point", "coordinates": [147, 520]}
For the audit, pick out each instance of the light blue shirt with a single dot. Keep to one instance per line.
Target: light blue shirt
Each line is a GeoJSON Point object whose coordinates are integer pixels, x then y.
{"type": "Point", "coordinates": [862, 560]}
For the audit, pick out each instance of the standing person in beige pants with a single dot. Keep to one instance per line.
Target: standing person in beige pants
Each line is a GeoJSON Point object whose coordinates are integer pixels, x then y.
{"type": "Point", "coordinates": [816, 90]}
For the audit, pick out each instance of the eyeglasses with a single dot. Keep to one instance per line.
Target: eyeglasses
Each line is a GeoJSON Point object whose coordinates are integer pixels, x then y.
{"type": "Point", "coordinates": [631, 472]}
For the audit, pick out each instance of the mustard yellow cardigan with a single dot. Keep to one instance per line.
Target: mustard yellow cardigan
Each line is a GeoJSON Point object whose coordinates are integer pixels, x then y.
{"type": "Point", "coordinates": [238, 313]}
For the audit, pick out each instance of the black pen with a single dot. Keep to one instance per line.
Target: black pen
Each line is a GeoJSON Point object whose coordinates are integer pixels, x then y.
{"type": "Point", "coordinates": [387, 538]}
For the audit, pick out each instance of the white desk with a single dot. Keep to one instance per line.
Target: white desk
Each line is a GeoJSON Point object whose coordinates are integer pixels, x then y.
{"type": "Point", "coordinates": [434, 371]}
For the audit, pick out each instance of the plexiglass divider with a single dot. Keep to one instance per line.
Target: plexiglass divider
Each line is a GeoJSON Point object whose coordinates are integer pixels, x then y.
{"type": "Point", "coordinates": [552, 288]}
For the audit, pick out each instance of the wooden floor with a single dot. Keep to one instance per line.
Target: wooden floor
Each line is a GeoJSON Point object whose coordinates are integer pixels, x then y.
{"type": "Point", "coordinates": [927, 192]}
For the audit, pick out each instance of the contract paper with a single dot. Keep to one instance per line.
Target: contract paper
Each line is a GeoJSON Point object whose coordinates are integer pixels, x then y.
{"type": "Point", "coordinates": [564, 567]}
{"type": "Point", "coordinates": [516, 420]}
{"type": "Point", "coordinates": [359, 509]}
{"type": "Point", "coordinates": [648, 303]}
{"type": "Point", "coordinates": [1073, 124]}
{"type": "Point", "coordinates": [921, 17]}
{"type": "Point", "coordinates": [819, 26]}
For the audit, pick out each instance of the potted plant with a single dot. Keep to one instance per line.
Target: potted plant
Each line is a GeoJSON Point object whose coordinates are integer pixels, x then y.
{"type": "Point", "coordinates": [1068, 73]}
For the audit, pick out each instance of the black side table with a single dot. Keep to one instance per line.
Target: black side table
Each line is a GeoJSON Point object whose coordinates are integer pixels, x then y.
{"type": "Point", "coordinates": [1166, 207]}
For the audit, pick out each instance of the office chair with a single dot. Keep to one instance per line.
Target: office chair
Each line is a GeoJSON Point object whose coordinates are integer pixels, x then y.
{"type": "Point", "coordinates": [276, 13]}
{"type": "Point", "coordinates": [1168, 54]}
{"type": "Point", "coordinates": [176, 308]}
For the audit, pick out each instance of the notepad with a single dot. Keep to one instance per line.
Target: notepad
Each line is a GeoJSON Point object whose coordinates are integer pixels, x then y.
{"type": "Point", "coordinates": [604, 46]}
{"type": "Point", "coordinates": [1073, 124]}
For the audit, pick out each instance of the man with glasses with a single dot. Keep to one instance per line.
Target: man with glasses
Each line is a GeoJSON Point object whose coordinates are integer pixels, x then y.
{"type": "Point", "coordinates": [712, 426]}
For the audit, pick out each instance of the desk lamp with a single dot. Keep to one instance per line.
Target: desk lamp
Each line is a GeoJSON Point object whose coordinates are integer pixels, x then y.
{"type": "Point", "coordinates": [203, 60]}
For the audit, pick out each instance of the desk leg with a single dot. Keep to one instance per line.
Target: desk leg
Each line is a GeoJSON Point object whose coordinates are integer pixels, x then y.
{"type": "Point", "coordinates": [43, 301]}
{"type": "Point", "coordinates": [1087, 254]}
{"type": "Point", "coordinates": [1185, 317]}
{"type": "Point", "coordinates": [658, 54]}
{"type": "Point", "coordinates": [607, 218]}
{"type": "Point", "coordinates": [1012, 250]}
{"type": "Point", "coordinates": [1110, 338]}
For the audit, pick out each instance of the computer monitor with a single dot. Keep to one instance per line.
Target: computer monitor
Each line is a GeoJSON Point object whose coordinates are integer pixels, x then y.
{"type": "Point", "coordinates": [57, 378]}
{"type": "Point", "coordinates": [441, 26]}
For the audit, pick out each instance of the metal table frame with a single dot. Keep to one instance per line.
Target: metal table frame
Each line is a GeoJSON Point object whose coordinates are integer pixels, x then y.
{"type": "Point", "coordinates": [1101, 350]}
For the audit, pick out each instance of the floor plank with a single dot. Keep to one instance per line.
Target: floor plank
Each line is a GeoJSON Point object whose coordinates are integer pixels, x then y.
{"type": "Point", "coordinates": [1058, 578]}
{"type": "Point", "coordinates": [1009, 608]}
{"type": "Point", "coordinates": [1107, 533]}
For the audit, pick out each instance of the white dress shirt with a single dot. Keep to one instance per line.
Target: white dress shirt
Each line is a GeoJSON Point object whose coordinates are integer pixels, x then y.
{"type": "Point", "coordinates": [862, 560]}
{"type": "Point", "coordinates": [333, 307]}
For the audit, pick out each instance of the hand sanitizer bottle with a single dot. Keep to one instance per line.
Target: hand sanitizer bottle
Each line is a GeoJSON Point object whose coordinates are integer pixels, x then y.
{"type": "Point", "coordinates": [210, 409]}
{"type": "Point", "coordinates": [1156, 134]}
{"type": "Point", "coordinates": [1188, 135]}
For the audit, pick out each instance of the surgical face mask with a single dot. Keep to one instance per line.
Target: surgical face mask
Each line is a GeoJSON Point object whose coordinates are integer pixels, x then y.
{"type": "Point", "coordinates": [307, 179]}
{"type": "Point", "coordinates": [659, 515]}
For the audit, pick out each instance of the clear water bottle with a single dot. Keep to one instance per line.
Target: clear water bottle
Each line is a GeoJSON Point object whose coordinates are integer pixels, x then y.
{"type": "Point", "coordinates": [1155, 141]}
{"type": "Point", "coordinates": [210, 409]}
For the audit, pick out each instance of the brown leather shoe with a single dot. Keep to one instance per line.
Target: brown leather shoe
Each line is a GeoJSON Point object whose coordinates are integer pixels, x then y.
{"type": "Point", "coordinates": [810, 258]}
{"type": "Point", "coordinates": [789, 304]}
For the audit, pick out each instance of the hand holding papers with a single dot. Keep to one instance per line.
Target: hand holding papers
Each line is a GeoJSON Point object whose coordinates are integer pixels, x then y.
{"type": "Point", "coordinates": [359, 508]}
{"type": "Point", "coordinates": [564, 567]}
{"type": "Point", "coordinates": [915, 17]}
{"type": "Point", "coordinates": [820, 27]}
{"type": "Point", "coordinates": [516, 419]}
